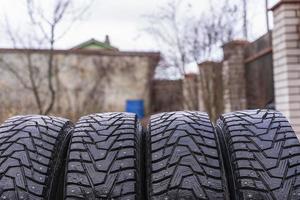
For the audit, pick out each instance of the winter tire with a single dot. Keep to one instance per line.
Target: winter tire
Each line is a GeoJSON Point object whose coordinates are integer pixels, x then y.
{"type": "Point", "coordinates": [104, 160]}
{"type": "Point", "coordinates": [32, 149]}
{"type": "Point", "coordinates": [183, 158]}
{"type": "Point", "coordinates": [262, 155]}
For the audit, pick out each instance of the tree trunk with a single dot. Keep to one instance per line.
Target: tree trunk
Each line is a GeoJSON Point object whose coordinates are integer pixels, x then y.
{"type": "Point", "coordinates": [50, 74]}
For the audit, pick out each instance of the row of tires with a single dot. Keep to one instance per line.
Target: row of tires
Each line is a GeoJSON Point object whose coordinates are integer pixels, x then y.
{"type": "Point", "coordinates": [248, 155]}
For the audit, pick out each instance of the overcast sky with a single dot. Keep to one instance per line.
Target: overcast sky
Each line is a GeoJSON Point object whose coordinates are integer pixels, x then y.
{"type": "Point", "coordinates": [122, 20]}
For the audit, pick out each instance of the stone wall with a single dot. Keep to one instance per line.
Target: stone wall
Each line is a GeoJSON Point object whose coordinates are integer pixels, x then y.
{"type": "Point", "coordinates": [87, 81]}
{"type": "Point", "coordinates": [286, 52]}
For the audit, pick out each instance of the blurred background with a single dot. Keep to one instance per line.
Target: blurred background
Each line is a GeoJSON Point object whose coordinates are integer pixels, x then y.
{"type": "Point", "coordinates": [74, 57]}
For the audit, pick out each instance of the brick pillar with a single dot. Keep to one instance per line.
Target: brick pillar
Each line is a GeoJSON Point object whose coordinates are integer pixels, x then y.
{"type": "Point", "coordinates": [190, 92]}
{"type": "Point", "coordinates": [201, 105]}
{"type": "Point", "coordinates": [234, 78]}
{"type": "Point", "coordinates": [211, 89]}
{"type": "Point", "coordinates": [286, 55]}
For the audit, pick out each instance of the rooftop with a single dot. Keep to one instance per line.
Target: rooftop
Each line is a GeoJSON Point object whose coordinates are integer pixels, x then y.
{"type": "Point", "coordinates": [94, 44]}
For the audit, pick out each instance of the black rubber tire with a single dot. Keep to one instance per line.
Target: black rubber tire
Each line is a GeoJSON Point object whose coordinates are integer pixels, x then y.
{"type": "Point", "coordinates": [31, 157]}
{"type": "Point", "coordinates": [183, 158]}
{"type": "Point", "coordinates": [104, 160]}
{"type": "Point", "coordinates": [262, 155]}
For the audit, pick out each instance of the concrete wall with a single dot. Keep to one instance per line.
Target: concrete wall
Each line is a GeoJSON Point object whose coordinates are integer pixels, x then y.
{"type": "Point", "coordinates": [87, 81]}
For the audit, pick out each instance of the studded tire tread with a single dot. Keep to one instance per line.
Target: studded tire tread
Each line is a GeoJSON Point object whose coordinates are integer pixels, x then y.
{"type": "Point", "coordinates": [31, 157]}
{"type": "Point", "coordinates": [183, 158]}
{"type": "Point", "coordinates": [262, 154]}
{"type": "Point", "coordinates": [104, 158]}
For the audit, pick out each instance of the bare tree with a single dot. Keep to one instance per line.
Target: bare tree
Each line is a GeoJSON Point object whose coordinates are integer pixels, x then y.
{"type": "Point", "coordinates": [211, 30]}
{"type": "Point", "coordinates": [185, 39]}
{"type": "Point", "coordinates": [45, 30]}
{"type": "Point", "coordinates": [169, 30]}
{"type": "Point", "coordinates": [245, 19]}
{"type": "Point", "coordinates": [214, 29]}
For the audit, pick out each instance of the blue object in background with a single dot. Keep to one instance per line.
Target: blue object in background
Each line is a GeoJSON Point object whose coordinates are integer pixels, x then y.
{"type": "Point", "coordinates": [136, 106]}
